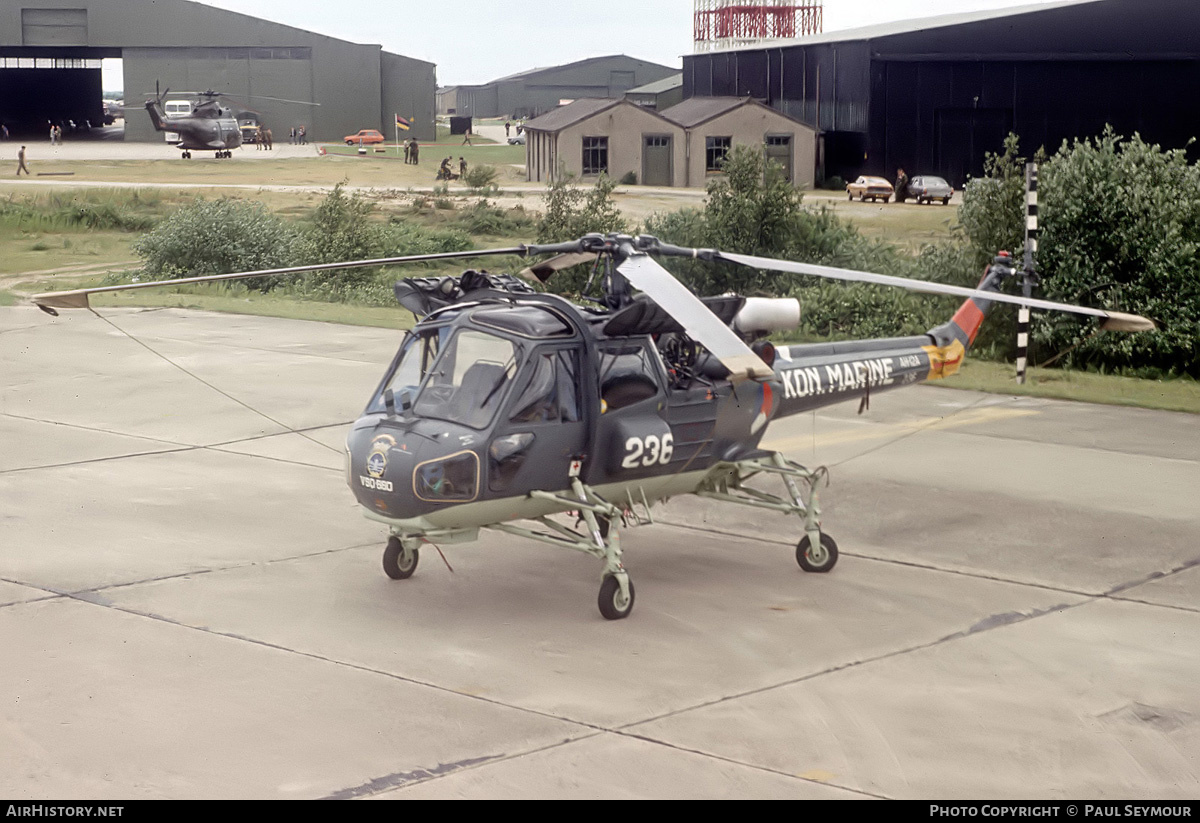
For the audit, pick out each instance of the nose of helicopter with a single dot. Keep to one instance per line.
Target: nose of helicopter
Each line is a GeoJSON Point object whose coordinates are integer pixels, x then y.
{"type": "Point", "coordinates": [407, 472]}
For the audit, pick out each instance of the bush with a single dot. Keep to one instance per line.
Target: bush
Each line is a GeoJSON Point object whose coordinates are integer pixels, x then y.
{"type": "Point", "coordinates": [216, 237]}
{"type": "Point", "coordinates": [1120, 229]}
{"type": "Point", "coordinates": [573, 212]}
{"type": "Point", "coordinates": [1120, 224]}
{"type": "Point", "coordinates": [628, 179]}
{"type": "Point", "coordinates": [484, 218]}
{"type": "Point", "coordinates": [480, 177]}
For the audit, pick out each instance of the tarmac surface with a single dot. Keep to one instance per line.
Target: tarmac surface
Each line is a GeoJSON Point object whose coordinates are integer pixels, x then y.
{"type": "Point", "coordinates": [191, 605]}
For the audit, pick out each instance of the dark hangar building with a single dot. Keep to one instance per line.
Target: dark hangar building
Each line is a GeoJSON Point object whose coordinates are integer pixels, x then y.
{"type": "Point", "coordinates": [50, 53]}
{"type": "Point", "coordinates": [933, 95]}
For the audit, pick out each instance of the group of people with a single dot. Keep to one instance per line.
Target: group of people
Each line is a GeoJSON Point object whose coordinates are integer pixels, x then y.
{"type": "Point", "coordinates": [445, 171]}
{"type": "Point", "coordinates": [412, 151]}
{"type": "Point", "coordinates": [265, 140]}
{"type": "Point", "coordinates": [55, 134]}
{"type": "Point", "coordinates": [299, 136]}
{"type": "Point", "coordinates": [508, 128]}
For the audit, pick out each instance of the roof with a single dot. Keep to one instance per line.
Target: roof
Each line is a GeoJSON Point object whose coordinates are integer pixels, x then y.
{"type": "Point", "coordinates": [530, 72]}
{"type": "Point", "coordinates": [895, 27]}
{"type": "Point", "coordinates": [659, 86]}
{"type": "Point", "coordinates": [696, 110]}
{"type": "Point", "coordinates": [570, 114]}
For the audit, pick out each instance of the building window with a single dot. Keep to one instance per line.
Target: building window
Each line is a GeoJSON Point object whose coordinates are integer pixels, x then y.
{"type": "Point", "coordinates": [595, 155]}
{"type": "Point", "coordinates": [779, 140]}
{"type": "Point", "coordinates": [715, 149]}
{"type": "Point", "coordinates": [658, 142]}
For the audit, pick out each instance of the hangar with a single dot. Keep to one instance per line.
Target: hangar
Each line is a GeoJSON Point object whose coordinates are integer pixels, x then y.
{"type": "Point", "coordinates": [50, 53]}
{"type": "Point", "coordinates": [530, 93]}
{"type": "Point", "coordinates": [933, 95]}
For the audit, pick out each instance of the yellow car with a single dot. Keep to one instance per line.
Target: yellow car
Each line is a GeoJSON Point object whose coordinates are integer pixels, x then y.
{"type": "Point", "coordinates": [870, 188]}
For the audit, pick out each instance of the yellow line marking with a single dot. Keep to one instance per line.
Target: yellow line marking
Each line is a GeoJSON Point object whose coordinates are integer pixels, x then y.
{"type": "Point", "coordinates": [880, 431]}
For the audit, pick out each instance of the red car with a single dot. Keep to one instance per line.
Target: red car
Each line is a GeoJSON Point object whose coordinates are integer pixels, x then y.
{"type": "Point", "coordinates": [366, 137]}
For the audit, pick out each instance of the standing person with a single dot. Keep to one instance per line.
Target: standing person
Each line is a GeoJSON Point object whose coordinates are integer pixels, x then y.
{"type": "Point", "coordinates": [407, 152]}
{"type": "Point", "coordinates": [270, 143]}
{"type": "Point", "coordinates": [901, 186]}
{"type": "Point", "coordinates": [21, 162]}
{"type": "Point", "coordinates": [467, 137]}
{"type": "Point", "coordinates": [292, 138]}
{"type": "Point", "coordinates": [416, 152]}
{"type": "Point", "coordinates": [462, 167]}
{"type": "Point", "coordinates": [303, 135]}
{"type": "Point", "coordinates": [507, 126]}
{"type": "Point", "coordinates": [261, 141]}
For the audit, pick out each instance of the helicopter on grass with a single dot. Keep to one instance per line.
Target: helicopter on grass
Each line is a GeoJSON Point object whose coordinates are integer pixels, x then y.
{"type": "Point", "coordinates": [505, 406]}
{"type": "Point", "coordinates": [210, 126]}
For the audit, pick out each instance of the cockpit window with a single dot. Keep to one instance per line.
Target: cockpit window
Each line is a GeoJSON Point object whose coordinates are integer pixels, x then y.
{"type": "Point", "coordinates": [417, 354]}
{"type": "Point", "coordinates": [550, 394]}
{"type": "Point", "coordinates": [469, 380]}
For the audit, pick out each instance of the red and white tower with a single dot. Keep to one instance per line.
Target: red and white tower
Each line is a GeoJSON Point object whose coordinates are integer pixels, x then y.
{"type": "Point", "coordinates": [724, 24]}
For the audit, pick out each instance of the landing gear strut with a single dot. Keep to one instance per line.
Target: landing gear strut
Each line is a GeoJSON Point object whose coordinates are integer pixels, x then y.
{"type": "Point", "coordinates": [816, 552]}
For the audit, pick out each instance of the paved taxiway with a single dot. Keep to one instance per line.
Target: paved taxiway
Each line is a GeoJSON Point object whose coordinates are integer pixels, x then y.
{"type": "Point", "coordinates": [191, 605]}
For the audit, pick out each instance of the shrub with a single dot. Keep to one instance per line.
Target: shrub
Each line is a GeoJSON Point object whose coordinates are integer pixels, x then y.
{"type": "Point", "coordinates": [480, 177]}
{"type": "Point", "coordinates": [628, 179]}
{"type": "Point", "coordinates": [1120, 229]}
{"type": "Point", "coordinates": [216, 237]}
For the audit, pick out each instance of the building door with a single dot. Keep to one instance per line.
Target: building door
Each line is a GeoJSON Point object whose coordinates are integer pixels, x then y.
{"type": "Point", "coordinates": [779, 150]}
{"type": "Point", "coordinates": [656, 160]}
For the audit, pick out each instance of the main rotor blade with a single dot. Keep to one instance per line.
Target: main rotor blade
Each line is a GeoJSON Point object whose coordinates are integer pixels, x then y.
{"type": "Point", "coordinates": [78, 298]}
{"type": "Point", "coordinates": [546, 269]}
{"type": "Point", "coordinates": [697, 320]}
{"type": "Point", "coordinates": [1110, 320]}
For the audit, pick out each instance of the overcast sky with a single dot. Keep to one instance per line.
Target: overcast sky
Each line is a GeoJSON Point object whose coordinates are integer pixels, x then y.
{"type": "Point", "coordinates": [474, 41]}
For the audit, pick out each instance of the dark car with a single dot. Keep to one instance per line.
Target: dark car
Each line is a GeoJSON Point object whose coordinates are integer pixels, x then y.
{"type": "Point", "coordinates": [927, 189]}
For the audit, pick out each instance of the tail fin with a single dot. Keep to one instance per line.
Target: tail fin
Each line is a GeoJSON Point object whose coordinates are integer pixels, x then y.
{"type": "Point", "coordinates": [952, 340]}
{"type": "Point", "coordinates": [156, 115]}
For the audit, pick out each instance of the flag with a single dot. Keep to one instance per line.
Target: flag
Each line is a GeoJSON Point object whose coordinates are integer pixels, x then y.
{"type": "Point", "coordinates": [402, 124]}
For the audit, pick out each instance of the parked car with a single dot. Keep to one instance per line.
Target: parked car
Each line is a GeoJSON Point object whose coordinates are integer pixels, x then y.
{"type": "Point", "coordinates": [366, 137]}
{"type": "Point", "coordinates": [870, 188]}
{"type": "Point", "coordinates": [928, 189]}
{"type": "Point", "coordinates": [517, 140]}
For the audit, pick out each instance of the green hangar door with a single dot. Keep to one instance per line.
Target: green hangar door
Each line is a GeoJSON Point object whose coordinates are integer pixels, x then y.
{"type": "Point", "coordinates": [656, 160]}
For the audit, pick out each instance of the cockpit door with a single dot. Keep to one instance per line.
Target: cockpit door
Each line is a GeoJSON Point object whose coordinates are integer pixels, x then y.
{"type": "Point", "coordinates": [542, 429]}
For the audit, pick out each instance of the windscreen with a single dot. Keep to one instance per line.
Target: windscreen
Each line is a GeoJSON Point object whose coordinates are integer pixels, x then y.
{"type": "Point", "coordinates": [469, 379]}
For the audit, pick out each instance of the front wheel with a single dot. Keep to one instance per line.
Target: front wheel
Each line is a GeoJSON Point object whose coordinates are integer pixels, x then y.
{"type": "Point", "coordinates": [399, 563]}
{"type": "Point", "coordinates": [822, 559]}
{"type": "Point", "coordinates": [945, 201]}
{"type": "Point", "coordinates": [613, 605]}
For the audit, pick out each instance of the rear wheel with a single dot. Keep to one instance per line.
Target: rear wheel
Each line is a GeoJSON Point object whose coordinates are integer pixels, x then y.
{"type": "Point", "coordinates": [821, 559]}
{"type": "Point", "coordinates": [614, 605]}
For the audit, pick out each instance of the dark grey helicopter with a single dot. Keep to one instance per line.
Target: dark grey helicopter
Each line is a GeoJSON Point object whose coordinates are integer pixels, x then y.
{"type": "Point", "coordinates": [505, 404]}
{"type": "Point", "coordinates": [210, 126]}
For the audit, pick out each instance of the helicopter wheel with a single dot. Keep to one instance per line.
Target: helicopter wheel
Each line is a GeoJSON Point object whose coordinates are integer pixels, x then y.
{"type": "Point", "coordinates": [612, 604]}
{"type": "Point", "coordinates": [822, 560]}
{"type": "Point", "coordinates": [399, 563]}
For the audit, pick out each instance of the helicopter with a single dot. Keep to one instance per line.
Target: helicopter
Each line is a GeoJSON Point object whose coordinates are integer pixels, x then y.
{"type": "Point", "coordinates": [505, 406]}
{"type": "Point", "coordinates": [210, 126]}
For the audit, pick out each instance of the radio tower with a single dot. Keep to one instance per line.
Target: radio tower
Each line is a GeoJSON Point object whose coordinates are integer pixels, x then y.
{"type": "Point", "coordinates": [722, 24]}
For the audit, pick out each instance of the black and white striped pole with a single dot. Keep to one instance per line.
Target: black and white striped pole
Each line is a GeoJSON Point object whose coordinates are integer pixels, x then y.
{"type": "Point", "coordinates": [1030, 280]}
